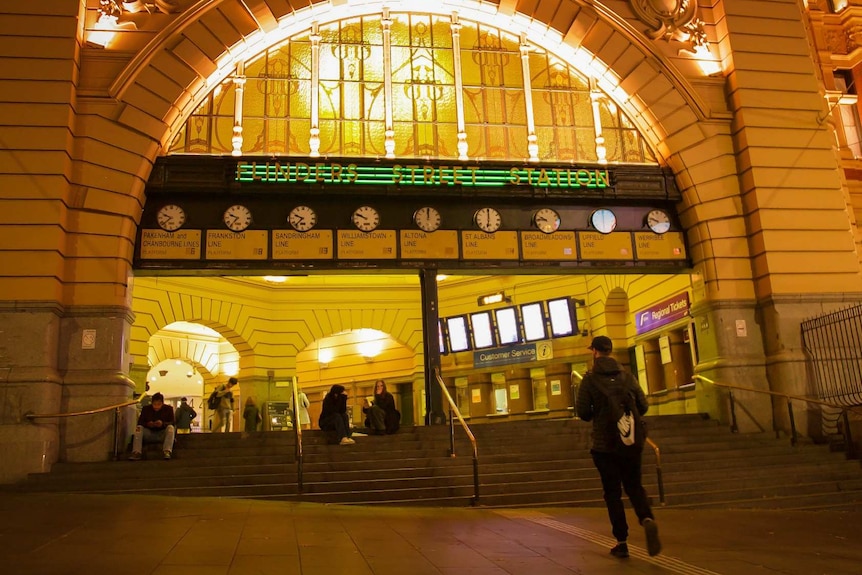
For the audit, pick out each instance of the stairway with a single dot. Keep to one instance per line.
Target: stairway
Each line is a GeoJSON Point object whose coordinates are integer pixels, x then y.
{"type": "Point", "coordinates": [521, 463]}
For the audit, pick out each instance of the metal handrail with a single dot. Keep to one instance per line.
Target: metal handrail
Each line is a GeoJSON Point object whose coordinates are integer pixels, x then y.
{"type": "Point", "coordinates": [116, 408]}
{"type": "Point", "coordinates": [297, 429]}
{"type": "Point", "coordinates": [848, 438]}
{"type": "Point", "coordinates": [650, 442]}
{"type": "Point", "coordinates": [453, 409]}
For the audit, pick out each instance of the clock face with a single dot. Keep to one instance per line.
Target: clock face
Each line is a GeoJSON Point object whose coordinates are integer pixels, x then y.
{"type": "Point", "coordinates": [171, 217]}
{"type": "Point", "coordinates": [488, 220]}
{"type": "Point", "coordinates": [547, 220]}
{"type": "Point", "coordinates": [658, 221]}
{"type": "Point", "coordinates": [366, 218]}
{"type": "Point", "coordinates": [237, 218]}
{"type": "Point", "coordinates": [603, 220]}
{"type": "Point", "coordinates": [427, 219]}
{"type": "Point", "coordinates": [302, 218]}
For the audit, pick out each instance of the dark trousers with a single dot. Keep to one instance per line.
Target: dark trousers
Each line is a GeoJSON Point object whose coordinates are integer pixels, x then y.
{"type": "Point", "coordinates": [336, 422]}
{"type": "Point", "coordinates": [620, 472]}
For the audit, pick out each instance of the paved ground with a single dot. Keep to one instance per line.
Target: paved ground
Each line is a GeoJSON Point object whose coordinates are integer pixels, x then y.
{"type": "Point", "coordinates": [118, 535]}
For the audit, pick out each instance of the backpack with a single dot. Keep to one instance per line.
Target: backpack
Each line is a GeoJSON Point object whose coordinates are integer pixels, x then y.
{"type": "Point", "coordinates": [626, 422]}
{"type": "Point", "coordinates": [214, 400]}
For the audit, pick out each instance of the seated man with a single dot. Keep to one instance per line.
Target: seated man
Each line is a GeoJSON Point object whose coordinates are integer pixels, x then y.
{"type": "Point", "coordinates": [155, 424]}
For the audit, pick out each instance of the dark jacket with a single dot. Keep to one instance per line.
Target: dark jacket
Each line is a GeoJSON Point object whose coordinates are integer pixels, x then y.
{"type": "Point", "coordinates": [148, 414]}
{"type": "Point", "coordinates": [392, 417]}
{"type": "Point", "coordinates": [333, 403]}
{"type": "Point", "coordinates": [185, 414]}
{"type": "Point", "coordinates": [593, 403]}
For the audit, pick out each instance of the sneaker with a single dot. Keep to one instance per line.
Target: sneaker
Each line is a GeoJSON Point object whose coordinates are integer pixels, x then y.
{"type": "Point", "coordinates": [136, 456]}
{"type": "Point", "coordinates": [346, 441]}
{"type": "Point", "coordinates": [167, 454]}
{"type": "Point", "coordinates": [621, 550]}
{"type": "Point", "coordinates": [653, 545]}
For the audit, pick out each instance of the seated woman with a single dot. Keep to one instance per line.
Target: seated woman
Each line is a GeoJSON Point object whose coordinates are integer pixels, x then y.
{"type": "Point", "coordinates": [381, 415]}
{"type": "Point", "coordinates": [333, 417]}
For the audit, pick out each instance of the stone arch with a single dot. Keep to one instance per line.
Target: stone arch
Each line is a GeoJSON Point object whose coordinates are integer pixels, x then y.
{"type": "Point", "coordinates": [617, 316]}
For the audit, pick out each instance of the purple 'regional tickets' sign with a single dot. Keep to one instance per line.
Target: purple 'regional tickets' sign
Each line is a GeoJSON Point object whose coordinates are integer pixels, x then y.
{"type": "Point", "coordinates": [662, 313]}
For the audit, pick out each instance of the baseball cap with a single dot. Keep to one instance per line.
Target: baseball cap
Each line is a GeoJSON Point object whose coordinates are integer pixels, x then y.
{"type": "Point", "coordinates": [602, 343]}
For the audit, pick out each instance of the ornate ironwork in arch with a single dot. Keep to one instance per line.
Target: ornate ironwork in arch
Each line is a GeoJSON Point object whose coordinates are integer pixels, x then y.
{"type": "Point", "coordinates": [409, 85]}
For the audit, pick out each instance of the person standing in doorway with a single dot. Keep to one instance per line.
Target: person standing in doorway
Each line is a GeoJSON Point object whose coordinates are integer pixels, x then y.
{"type": "Point", "coordinates": [251, 416]}
{"type": "Point", "coordinates": [185, 415]}
{"type": "Point", "coordinates": [302, 410]}
{"type": "Point", "coordinates": [619, 467]}
{"type": "Point", "coordinates": [224, 411]}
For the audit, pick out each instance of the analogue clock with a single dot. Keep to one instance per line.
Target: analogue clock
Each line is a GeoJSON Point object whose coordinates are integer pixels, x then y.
{"type": "Point", "coordinates": [302, 218]}
{"type": "Point", "coordinates": [427, 219]}
{"type": "Point", "coordinates": [658, 221]}
{"type": "Point", "coordinates": [603, 220]}
{"type": "Point", "coordinates": [365, 218]}
{"type": "Point", "coordinates": [488, 220]}
{"type": "Point", "coordinates": [237, 218]}
{"type": "Point", "coordinates": [171, 217]}
{"type": "Point", "coordinates": [547, 220]}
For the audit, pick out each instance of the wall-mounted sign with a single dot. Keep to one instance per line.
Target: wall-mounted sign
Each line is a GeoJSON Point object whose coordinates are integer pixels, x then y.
{"type": "Point", "coordinates": [228, 245]}
{"type": "Point", "coordinates": [613, 246]}
{"type": "Point", "coordinates": [475, 176]}
{"type": "Point", "coordinates": [669, 246]}
{"type": "Point", "coordinates": [555, 246]}
{"type": "Point", "coordinates": [162, 245]}
{"type": "Point", "coordinates": [505, 355]}
{"type": "Point", "coordinates": [442, 244]}
{"type": "Point", "coordinates": [662, 313]}
{"type": "Point", "coordinates": [377, 245]}
{"type": "Point", "coordinates": [496, 246]}
{"type": "Point", "coordinates": [291, 245]}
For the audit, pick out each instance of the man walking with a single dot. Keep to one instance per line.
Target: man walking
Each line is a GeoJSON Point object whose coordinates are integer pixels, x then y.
{"type": "Point", "coordinates": [619, 466]}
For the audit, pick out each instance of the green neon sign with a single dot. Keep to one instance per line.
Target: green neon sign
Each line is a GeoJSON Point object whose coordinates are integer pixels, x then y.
{"type": "Point", "coordinates": [420, 175]}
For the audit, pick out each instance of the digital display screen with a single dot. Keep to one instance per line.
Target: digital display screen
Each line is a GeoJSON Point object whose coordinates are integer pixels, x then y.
{"type": "Point", "coordinates": [534, 321]}
{"type": "Point", "coordinates": [562, 317]}
{"type": "Point", "coordinates": [457, 328]}
{"type": "Point", "coordinates": [508, 331]}
{"type": "Point", "coordinates": [440, 339]}
{"type": "Point", "coordinates": [483, 334]}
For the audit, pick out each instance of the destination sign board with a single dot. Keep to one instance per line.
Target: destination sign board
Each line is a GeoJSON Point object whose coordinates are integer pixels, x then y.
{"type": "Point", "coordinates": [228, 245]}
{"type": "Point", "coordinates": [313, 245]}
{"type": "Point", "coordinates": [542, 246]}
{"type": "Point", "coordinates": [419, 175]}
{"type": "Point", "coordinates": [613, 246]}
{"type": "Point", "coordinates": [377, 245]}
{"type": "Point", "coordinates": [668, 246]}
{"type": "Point", "coordinates": [496, 246]}
{"type": "Point", "coordinates": [442, 244]}
{"type": "Point", "coordinates": [162, 245]}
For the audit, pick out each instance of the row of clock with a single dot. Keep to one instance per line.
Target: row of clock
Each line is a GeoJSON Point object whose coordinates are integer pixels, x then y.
{"type": "Point", "coordinates": [366, 218]}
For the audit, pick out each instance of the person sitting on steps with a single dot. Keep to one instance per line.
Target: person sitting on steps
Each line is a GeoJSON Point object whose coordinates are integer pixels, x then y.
{"type": "Point", "coordinates": [381, 416]}
{"type": "Point", "coordinates": [155, 424]}
{"type": "Point", "coordinates": [333, 417]}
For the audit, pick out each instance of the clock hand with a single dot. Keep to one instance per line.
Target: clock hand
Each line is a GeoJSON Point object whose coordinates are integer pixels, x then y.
{"type": "Point", "coordinates": [361, 216]}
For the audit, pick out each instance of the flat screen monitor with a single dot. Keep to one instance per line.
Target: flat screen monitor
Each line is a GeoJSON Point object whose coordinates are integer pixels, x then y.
{"type": "Point", "coordinates": [508, 331]}
{"type": "Point", "coordinates": [440, 337]}
{"type": "Point", "coordinates": [562, 314]}
{"type": "Point", "coordinates": [458, 337]}
{"type": "Point", "coordinates": [483, 331]}
{"type": "Point", "coordinates": [533, 317]}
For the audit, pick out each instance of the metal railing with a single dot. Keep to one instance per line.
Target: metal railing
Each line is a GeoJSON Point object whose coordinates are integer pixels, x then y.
{"type": "Point", "coordinates": [116, 408]}
{"type": "Point", "coordinates": [297, 429]}
{"type": "Point", "coordinates": [453, 409]}
{"type": "Point", "coordinates": [790, 398]}
{"type": "Point", "coordinates": [650, 442]}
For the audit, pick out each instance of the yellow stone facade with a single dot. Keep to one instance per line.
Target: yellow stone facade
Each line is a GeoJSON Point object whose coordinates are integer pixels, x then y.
{"type": "Point", "coordinates": [771, 190]}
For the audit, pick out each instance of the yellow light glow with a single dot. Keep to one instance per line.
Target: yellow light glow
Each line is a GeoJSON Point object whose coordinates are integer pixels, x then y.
{"type": "Point", "coordinates": [324, 355]}
{"type": "Point", "coordinates": [103, 31]}
{"type": "Point", "coordinates": [707, 63]}
{"type": "Point", "coordinates": [275, 279]}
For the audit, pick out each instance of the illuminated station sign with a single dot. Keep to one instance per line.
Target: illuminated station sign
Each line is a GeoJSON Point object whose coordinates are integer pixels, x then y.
{"type": "Point", "coordinates": [421, 175]}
